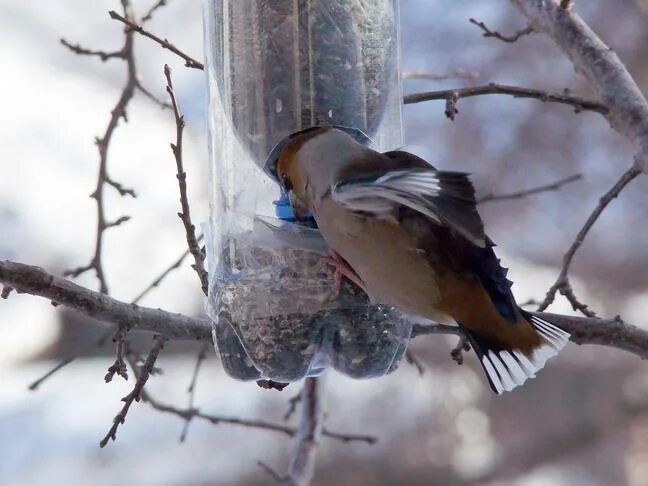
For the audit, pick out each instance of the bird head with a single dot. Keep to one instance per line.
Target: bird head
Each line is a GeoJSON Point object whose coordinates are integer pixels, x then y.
{"type": "Point", "coordinates": [303, 162]}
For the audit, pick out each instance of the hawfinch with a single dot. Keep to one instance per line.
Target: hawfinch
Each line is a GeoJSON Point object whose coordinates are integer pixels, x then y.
{"type": "Point", "coordinates": [411, 237]}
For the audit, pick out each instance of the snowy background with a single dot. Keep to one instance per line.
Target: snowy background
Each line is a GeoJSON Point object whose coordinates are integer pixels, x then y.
{"type": "Point", "coordinates": [582, 421]}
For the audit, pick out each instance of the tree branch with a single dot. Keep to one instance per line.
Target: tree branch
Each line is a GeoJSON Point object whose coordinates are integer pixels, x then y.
{"type": "Point", "coordinates": [458, 73]}
{"type": "Point", "coordinates": [451, 96]}
{"type": "Point", "coordinates": [103, 55]}
{"type": "Point", "coordinates": [194, 413]}
{"type": "Point", "coordinates": [175, 265]}
{"type": "Point", "coordinates": [628, 109]}
{"type": "Point", "coordinates": [136, 394]}
{"type": "Point", "coordinates": [103, 143]}
{"type": "Point", "coordinates": [490, 197]}
{"type": "Point", "coordinates": [302, 465]}
{"type": "Point", "coordinates": [36, 281]}
{"type": "Point", "coordinates": [185, 215]}
{"type": "Point", "coordinates": [486, 32]}
{"type": "Point", "coordinates": [132, 26]}
{"type": "Point", "coordinates": [149, 15]}
{"type": "Point", "coordinates": [562, 284]}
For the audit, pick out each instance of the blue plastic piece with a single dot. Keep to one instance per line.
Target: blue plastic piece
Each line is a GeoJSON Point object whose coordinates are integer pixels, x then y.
{"type": "Point", "coordinates": [284, 212]}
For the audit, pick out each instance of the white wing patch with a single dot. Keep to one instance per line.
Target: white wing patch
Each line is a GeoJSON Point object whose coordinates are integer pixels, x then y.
{"type": "Point", "coordinates": [382, 195]}
{"type": "Point", "coordinates": [507, 370]}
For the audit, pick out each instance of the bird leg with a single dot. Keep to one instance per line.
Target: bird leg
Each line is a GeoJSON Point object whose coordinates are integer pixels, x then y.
{"type": "Point", "coordinates": [343, 269]}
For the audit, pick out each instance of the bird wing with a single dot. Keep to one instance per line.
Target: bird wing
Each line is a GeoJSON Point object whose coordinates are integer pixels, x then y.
{"type": "Point", "coordinates": [446, 198]}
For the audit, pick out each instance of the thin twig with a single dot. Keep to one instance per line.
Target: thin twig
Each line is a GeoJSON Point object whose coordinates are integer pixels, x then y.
{"type": "Point", "coordinates": [528, 192]}
{"type": "Point", "coordinates": [103, 55]}
{"type": "Point", "coordinates": [155, 283]}
{"type": "Point", "coordinates": [486, 32]}
{"type": "Point", "coordinates": [193, 413]}
{"type": "Point", "coordinates": [70, 359]}
{"type": "Point", "coordinates": [562, 284]}
{"type": "Point", "coordinates": [185, 215]}
{"type": "Point", "coordinates": [136, 393]}
{"type": "Point", "coordinates": [202, 355]}
{"type": "Point", "coordinates": [302, 463]}
{"type": "Point", "coordinates": [132, 26]}
{"type": "Point", "coordinates": [414, 361]}
{"type": "Point", "coordinates": [119, 366]}
{"type": "Point", "coordinates": [452, 95]}
{"type": "Point", "coordinates": [271, 472]}
{"type": "Point", "coordinates": [425, 329]}
{"type": "Point", "coordinates": [162, 104]}
{"type": "Point", "coordinates": [453, 74]}
{"type": "Point", "coordinates": [103, 143]}
{"type": "Point", "coordinates": [292, 406]}
{"type": "Point", "coordinates": [149, 15]}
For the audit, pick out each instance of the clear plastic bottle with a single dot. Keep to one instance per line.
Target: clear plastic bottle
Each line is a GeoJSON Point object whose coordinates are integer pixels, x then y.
{"type": "Point", "coordinates": [276, 67]}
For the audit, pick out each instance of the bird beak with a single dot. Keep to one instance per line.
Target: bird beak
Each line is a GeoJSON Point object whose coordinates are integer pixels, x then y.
{"type": "Point", "coordinates": [300, 211]}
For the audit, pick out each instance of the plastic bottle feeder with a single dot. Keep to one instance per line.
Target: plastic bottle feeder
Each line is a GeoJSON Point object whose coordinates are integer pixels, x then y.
{"type": "Point", "coordinates": [276, 67]}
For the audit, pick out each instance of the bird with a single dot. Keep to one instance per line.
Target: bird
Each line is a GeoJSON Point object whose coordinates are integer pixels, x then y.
{"type": "Point", "coordinates": [411, 237]}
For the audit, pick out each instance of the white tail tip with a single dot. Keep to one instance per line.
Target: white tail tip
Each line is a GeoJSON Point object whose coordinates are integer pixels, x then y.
{"type": "Point", "coordinates": [507, 370]}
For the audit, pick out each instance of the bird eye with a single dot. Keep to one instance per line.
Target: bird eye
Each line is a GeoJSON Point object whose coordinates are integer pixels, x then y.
{"type": "Point", "coordinates": [285, 181]}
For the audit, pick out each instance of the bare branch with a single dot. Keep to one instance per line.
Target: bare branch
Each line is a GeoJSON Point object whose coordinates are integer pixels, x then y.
{"type": "Point", "coordinates": [271, 472]}
{"type": "Point", "coordinates": [202, 355]}
{"type": "Point", "coordinates": [292, 406]}
{"type": "Point", "coordinates": [62, 364]}
{"type": "Point", "coordinates": [452, 95]}
{"type": "Point", "coordinates": [454, 74]}
{"type": "Point", "coordinates": [185, 215]}
{"type": "Point", "coordinates": [562, 283]}
{"type": "Point", "coordinates": [123, 191]}
{"type": "Point", "coordinates": [414, 361]}
{"type": "Point", "coordinates": [193, 413]}
{"type": "Point", "coordinates": [118, 112]}
{"type": "Point", "coordinates": [490, 197]}
{"type": "Point", "coordinates": [505, 38]}
{"type": "Point", "coordinates": [70, 359]}
{"type": "Point", "coordinates": [36, 281]}
{"type": "Point", "coordinates": [118, 221]}
{"type": "Point", "coordinates": [135, 395]}
{"type": "Point", "coordinates": [162, 104]}
{"type": "Point", "coordinates": [628, 109]}
{"type": "Point", "coordinates": [163, 275]}
{"type": "Point", "coordinates": [614, 333]}
{"type": "Point", "coordinates": [103, 55]}
{"type": "Point", "coordinates": [119, 366]}
{"type": "Point", "coordinates": [132, 26]}
{"type": "Point", "coordinates": [302, 465]}
{"type": "Point", "coordinates": [425, 329]}
{"type": "Point", "coordinates": [157, 5]}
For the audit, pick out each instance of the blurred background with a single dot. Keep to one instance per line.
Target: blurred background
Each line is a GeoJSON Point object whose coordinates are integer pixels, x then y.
{"type": "Point", "coordinates": [584, 420]}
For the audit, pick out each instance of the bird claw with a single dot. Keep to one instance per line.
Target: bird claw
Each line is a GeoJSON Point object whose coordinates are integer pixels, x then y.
{"type": "Point", "coordinates": [342, 269]}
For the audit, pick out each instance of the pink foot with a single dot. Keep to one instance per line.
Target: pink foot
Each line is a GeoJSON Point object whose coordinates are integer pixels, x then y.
{"type": "Point", "coordinates": [342, 269]}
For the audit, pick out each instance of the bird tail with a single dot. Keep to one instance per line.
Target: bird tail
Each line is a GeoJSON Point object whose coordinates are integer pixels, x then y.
{"type": "Point", "coordinates": [507, 368]}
